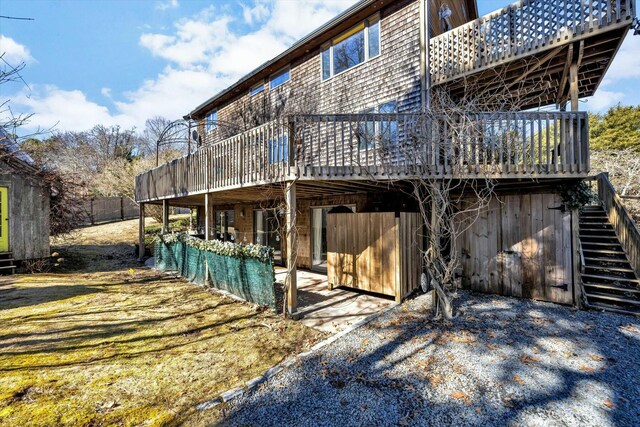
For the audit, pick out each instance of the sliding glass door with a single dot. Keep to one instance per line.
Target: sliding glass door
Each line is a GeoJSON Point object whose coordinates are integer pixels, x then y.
{"type": "Point", "coordinates": [266, 231]}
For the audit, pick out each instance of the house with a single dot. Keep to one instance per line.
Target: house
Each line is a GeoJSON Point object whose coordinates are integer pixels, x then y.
{"type": "Point", "coordinates": [330, 127]}
{"type": "Point", "coordinates": [24, 207]}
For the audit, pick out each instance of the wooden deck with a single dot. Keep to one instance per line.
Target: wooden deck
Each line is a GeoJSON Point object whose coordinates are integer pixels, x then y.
{"type": "Point", "coordinates": [521, 30]}
{"type": "Point", "coordinates": [380, 147]}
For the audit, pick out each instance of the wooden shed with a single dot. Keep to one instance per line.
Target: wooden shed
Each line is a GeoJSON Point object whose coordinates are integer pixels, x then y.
{"type": "Point", "coordinates": [24, 208]}
{"type": "Point", "coordinates": [377, 252]}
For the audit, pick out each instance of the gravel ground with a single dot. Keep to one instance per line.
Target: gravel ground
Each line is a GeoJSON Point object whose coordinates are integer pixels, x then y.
{"type": "Point", "coordinates": [502, 361]}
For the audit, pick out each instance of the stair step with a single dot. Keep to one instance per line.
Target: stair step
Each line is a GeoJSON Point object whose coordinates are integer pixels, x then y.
{"type": "Point", "coordinates": [604, 251]}
{"type": "Point", "coordinates": [602, 244]}
{"type": "Point", "coordinates": [595, 224]}
{"type": "Point", "coordinates": [596, 236]}
{"type": "Point", "coordinates": [613, 298]}
{"type": "Point", "coordinates": [602, 216]}
{"type": "Point", "coordinates": [613, 260]}
{"type": "Point", "coordinates": [7, 266]}
{"type": "Point", "coordinates": [6, 259]}
{"type": "Point", "coordinates": [610, 268]}
{"type": "Point", "coordinates": [614, 308]}
{"type": "Point", "coordinates": [598, 231]}
{"type": "Point", "coordinates": [611, 287]}
{"type": "Point", "coordinates": [633, 282]}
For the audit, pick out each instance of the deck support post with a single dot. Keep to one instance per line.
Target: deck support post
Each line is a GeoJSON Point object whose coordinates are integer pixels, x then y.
{"type": "Point", "coordinates": [207, 232]}
{"type": "Point", "coordinates": [208, 212]}
{"type": "Point", "coordinates": [165, 216]}
{"type": "Point", "coordinates": [141, 233]}
{"type": "Point", "coordinates": [573, 86]}
{"type": "Point", "coordinates": [292, 246]}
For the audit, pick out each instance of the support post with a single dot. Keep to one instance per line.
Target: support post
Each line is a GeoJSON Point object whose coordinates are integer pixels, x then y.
{"type": "Point", "coordinates": [573, 86]}
{"type": "Point", "coordinates": [122, 208]}
{"type": "Point", "coordinates": [208, 212]}
{"type": "Point", "coordinates": [141, 233]}
{"type": "Point", "coordinates": [165, 216]}
{"type": "Point", "coordinates": [207, 233]}
{"type": "Point", "coordinates": [292, 246]}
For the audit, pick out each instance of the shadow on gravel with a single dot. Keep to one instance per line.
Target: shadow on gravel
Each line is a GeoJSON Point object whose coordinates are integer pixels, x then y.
{"type": "Point", "coordinates": [501, 362]}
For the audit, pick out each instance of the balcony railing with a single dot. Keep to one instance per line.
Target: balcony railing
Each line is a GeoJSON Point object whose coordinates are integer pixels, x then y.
{"type": "Point", "coordinates": [521, 29]}
{"type": "Point", "coordinates": [380, 147]}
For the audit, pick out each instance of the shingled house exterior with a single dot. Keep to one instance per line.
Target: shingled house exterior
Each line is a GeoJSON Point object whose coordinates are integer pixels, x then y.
{"type": "Point", "coordinates": [302, 137]}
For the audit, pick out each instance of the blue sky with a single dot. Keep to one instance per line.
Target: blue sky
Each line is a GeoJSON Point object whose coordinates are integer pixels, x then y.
{"type": "Point", "coordinates": [123, 61]}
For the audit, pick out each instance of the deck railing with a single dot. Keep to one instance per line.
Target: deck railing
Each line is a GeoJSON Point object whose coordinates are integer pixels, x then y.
{"type": "Point", "coordinates": [380, 146]}
{"type": "Point", "coordinates": [521, 29]}
{"type": "Point", "coordinates": [626, 228]}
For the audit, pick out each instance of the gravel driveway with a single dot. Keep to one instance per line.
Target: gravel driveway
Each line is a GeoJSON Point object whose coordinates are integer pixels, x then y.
{"type": "Point", "coordinates": [503, 361]}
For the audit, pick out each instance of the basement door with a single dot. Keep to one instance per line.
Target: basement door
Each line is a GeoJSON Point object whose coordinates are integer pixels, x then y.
{"type": "Point", "coordinates": [521, 245]}
{"type": "Point", "coordinates": [4, 219]}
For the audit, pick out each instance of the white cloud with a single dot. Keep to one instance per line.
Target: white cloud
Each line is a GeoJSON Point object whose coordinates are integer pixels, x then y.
{"type": "Point", "coordinates": [626, 64]}
{"type": "Point", "coordinates": [169, 4]}
{"type": "Point", "coordinates": [258, 13]}
{"type": "Point", "coordinates": [604, 99]}
{"type": "Point", "coordinates": [205, 54]}
{"type": "Point", "coordinates": [625, 67]}
{"type": "Point", "coordinates": [65, 109]}
{"type": "Point", "coordinates": [13, 52]}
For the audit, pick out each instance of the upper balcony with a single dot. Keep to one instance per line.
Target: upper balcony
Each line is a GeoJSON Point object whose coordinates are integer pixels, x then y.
{"type": "Point", "coordinates": [380, 147]}
{"type": "Point", "coordinates": [529, 40]}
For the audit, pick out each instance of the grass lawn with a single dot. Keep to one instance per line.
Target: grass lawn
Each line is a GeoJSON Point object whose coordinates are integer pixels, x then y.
{"type": "Point", "coordinates": [101, 344]}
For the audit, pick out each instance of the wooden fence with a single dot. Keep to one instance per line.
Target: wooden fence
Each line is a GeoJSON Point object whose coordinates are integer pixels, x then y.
{"type": "Point", "coordinates": [519, 30]}
{"type": "Point", "coordinates": [380, 146]}
{"type": "Point", "coordinates": [376, 252]}
{"type": "Point", "coordinates": [106, 209]}
{"type": "Point", "coordinates": [626, 228]}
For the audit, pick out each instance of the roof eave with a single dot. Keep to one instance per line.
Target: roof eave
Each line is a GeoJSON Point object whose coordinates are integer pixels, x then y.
{"type": "Point", "coordinates": [356, 8]}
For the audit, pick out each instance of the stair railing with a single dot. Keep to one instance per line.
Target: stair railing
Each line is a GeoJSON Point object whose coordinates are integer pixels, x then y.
{"type": "Point", "coordinates": [625, 227]}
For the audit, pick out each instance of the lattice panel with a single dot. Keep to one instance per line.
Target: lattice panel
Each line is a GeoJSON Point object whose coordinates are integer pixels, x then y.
{"type": "Point", "coordinates": [521, 29]}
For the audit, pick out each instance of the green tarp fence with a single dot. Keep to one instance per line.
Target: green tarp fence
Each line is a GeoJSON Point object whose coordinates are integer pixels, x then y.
{"type": "Point", "coordinates": [246, 277]}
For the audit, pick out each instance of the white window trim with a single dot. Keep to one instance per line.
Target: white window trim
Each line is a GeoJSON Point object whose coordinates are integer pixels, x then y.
{"type": "Point", "coordinates": [211, 125]}
{"type": "Point", "coordinates": [280, 71]}
{"type": "Point", "coordinates": [329, 45]}
{"type": "Point", "coordinates": [254, 87]}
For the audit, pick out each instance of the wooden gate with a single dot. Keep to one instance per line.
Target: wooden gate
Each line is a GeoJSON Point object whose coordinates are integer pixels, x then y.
{"type": "Point", "coordinates": [376, 252]}
{"type": "Point", "coordinates": [521, 245]}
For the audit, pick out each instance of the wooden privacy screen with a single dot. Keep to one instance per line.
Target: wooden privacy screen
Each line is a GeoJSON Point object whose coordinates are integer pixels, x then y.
{"type": "Point", "coordinates": [375, 252]}
{"type": "Point", "coordinates": [520, 246]}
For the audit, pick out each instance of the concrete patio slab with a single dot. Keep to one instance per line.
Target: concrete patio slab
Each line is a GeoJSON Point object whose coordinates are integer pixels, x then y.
{"type": "Point", "coordinates": [334, 310]}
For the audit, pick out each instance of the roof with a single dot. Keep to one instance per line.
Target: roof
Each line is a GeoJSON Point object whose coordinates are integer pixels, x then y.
{"type": "Point", "coordinates": [299, 48]}
{"type": "Point", "coordinates": [315, 39]}
{"type": "Point", "coordinates": [11, 146]}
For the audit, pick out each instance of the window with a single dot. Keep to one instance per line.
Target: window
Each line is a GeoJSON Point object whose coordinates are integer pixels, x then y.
{"type": "Point", "coordinates": [375, 126]}
{"type": "Point", "coordinates": [278, 149]}
{"type": "Point", "coordinates": [279, 78]}
{"type": "Point", "coordinates": [256, 89]}
{"type": "Point", "coordinates": [388, 128]}
{"type": "Point", "coordinates": [212, 120]}
{"type": "Point", "coordinates": [351, 48]}
{"type": "Point", "coordinates": [225, 225]}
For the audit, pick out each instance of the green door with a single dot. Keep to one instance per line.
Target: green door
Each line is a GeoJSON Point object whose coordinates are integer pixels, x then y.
{"type": "Point", "coordinates": [4, 219]}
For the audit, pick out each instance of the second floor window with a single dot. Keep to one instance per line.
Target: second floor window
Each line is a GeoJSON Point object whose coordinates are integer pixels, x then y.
{"type": "Point", "coordinates": [351, 48]}
{"type": "Point", "coordinates": [278, 149]}
{"type": "Point", "coordinates": [212, 120]}
{"type": "Point", "coordinates": [256, 89]}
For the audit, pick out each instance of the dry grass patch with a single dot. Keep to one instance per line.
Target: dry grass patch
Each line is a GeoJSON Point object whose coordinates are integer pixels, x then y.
{"type": "Point", "coordinates": [122, 348]}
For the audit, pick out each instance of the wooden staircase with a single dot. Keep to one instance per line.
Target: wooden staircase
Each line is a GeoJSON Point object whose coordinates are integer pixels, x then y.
{"type": "Point", "coordinates": [608, 279]}
{"type": "Point", "coordinates": [7, 265]}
